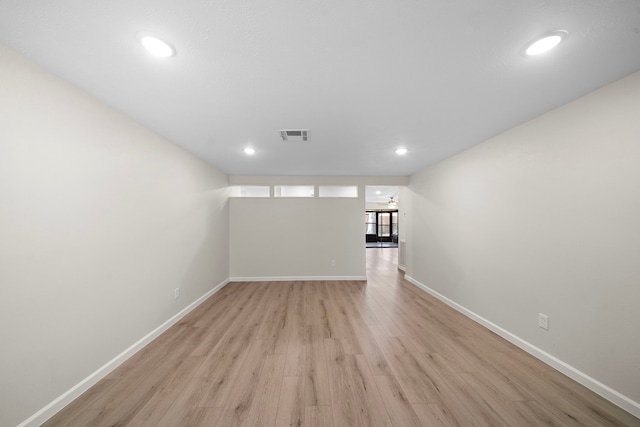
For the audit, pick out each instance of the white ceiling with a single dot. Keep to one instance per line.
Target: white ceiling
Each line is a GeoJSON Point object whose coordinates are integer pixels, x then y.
{"type": "Point", "coordinates": [364, 76]}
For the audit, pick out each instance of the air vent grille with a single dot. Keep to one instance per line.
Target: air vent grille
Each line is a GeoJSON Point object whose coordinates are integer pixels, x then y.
{"type": "Point", "coordinates": [295, 135]}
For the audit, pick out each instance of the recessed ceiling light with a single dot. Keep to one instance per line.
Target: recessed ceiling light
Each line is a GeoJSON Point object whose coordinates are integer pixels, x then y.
{"type": "Point", "coordinates": [155, 45]}
{"type": "Point", "coordinates": [249, 151]}
{"type": "Point", "coordinates": [545, 43]}
{"type": "Point", "coordinates": [378, 192]}
{"type": "Point", "coordinates": [401, 151]}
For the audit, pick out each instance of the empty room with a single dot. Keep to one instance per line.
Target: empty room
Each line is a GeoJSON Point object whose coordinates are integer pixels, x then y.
{"type": "Point", "coordinates": [337, 213]}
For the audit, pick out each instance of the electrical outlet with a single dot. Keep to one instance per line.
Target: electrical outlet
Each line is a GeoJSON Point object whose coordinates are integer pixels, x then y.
{"type": "Point", "coordinates": [333, 263]}
{"type": "Point", "coordinates": [176, 293]}
{"type": "Point", "coordinates": [543, 321]}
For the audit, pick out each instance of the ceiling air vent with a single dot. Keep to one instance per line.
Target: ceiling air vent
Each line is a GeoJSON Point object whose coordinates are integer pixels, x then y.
{"type": "Point", "coordinates": [295, 135]}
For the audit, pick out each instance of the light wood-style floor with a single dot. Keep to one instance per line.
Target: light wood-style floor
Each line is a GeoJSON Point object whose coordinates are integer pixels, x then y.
{"type": "Point", "coordinates": [375, 353]}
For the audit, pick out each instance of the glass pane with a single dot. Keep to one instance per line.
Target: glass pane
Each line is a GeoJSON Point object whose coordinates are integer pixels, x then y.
{"type": "Point", "coordinates": [394, 223]}
{"type": "Point", "coordinates": [383, 230]}
{"type": "Point", "coordinates": [338, 191]}
{"type": "Point", "coordinates": [294, 191]}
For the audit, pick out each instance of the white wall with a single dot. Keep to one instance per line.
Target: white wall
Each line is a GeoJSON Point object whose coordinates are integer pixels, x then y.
{"type": "Point", "coordinates": [297, 238]}
{"type": "Point", "coordinates": [100, 220]}
{"type": "Point", "coordinates": [545, 218]}
{"type": "Point", "coordinates": [374, 206]}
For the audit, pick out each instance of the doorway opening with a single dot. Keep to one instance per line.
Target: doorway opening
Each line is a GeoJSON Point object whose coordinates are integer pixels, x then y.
{"type": "Point", "coordinates": [381, 216]}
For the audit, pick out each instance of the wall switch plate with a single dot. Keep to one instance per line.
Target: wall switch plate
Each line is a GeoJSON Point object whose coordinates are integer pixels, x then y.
{"type": "Point", "coordinates": [543, 321]}
{"type": "Point", "coordinates": [176, 293]}
{"type": "Point", "coordinates": [333, 263]}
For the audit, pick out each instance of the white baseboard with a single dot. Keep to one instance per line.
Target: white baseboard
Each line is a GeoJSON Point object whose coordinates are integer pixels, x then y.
{"type": "Point", "coordinates": [594, 385]}
{"type": "Point", "coordinates": [294, 278]}
{"type": "Point", "coordinates": [59, 403]}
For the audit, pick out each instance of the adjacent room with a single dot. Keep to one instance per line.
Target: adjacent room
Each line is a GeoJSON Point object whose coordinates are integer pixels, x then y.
{"type": "Point", "coordinates": [319, 213]}
{"type": "Point", "coordinates": [381, 217]}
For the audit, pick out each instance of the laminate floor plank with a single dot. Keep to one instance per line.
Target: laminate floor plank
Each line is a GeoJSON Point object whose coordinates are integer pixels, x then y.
{"type": "Point", "coordinates": [499, 381]}
{"type": "Point", "coordinates": [400, 411]}
{"type": "Point", "coordinates": [151, 353]}
{"type": "Point", "coordinates": [315, 307]}
{"type": "Point", "coordinates": [125, 407]}
{"type": "Point", "coordinates": [318, 416]}
{"type": "Point", "coordinates": [339, 320]}
{"type": "Point", "coordinates": [371, 350]}
{"type": "Point", "coordinates": [418, 387]}
{"type": "Point", "coordinates": [431, 415]}
{"type": "Point", "coordinates": [317, 391]}
{"type": "Point", "coordinates": [296, 327]}
{"type": "Point", "coordinates": [367, 342]}
{"type": "Point", "coordinates": [361, 299]}
{"type": "Point", "coordinates": [274, 328]}
{"type": "Point", "coordinates": [311, 300]}
{"type": "Point", "coordinates": [152, 411]}
{"type": "Point", "coordinates": [291, 408]}
{"type": "Point", "coordinates": [464, 358]}
{"type": "Point", "coordinates": [248, 402]}
{"type": "Point", "coordinates": [335, 353]}
{"type": "Point", "coordinates": [579, 395]}
{"type": "Point", "coordinates": [224, 315]}
{"type": "Point", "coordinates": [86, 402]}
{"type": "Point", "coordinates": [198, 417]}
{"type": "Point", "coordinates": [222, 301]}
{"type": "Point", "coordinates": [133, 391]}
{"type": "Point", "coordinates": [546, 392]}
{"type": "Point", "coordinates": [264, 406]}
{"type": "Point", "coordinates": [354, 395]}
{"type": "Point", "coordinates": [88, 417]}
{"type": "Point", "coordinates": [226, 367]}
{"type": "Point", "coordinates": [233, 344]}
{"type": "Point", "coordinates": [384, 320]}
{"type": "Point", "coordinates": [182, 410]}
{"type": "Point", "coordinates": [497, 403]}
{"type": "Point", "coordinates": [536, 414]}
{"type": "Point", "coordinates": [463, 407]}
{"type": "Point", "coordinates": [374, 413]}
{"type": "Point", "coordinates": [295, 360]}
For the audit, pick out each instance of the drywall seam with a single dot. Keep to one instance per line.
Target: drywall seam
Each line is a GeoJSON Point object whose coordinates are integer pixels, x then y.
{"type": "Point", "coordinates": [594, 385]}
{"type": "Point", "coordinates": [295, 278]}
{"type": "Point", "coordinates": [74, 392]}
